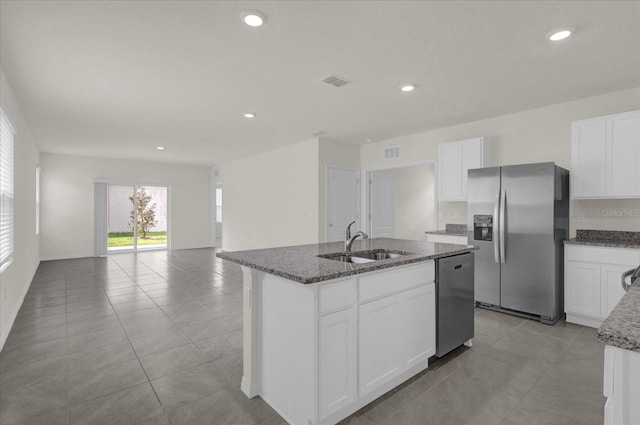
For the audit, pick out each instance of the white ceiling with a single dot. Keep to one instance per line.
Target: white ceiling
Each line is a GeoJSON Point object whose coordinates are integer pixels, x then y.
{"type": "Point", "coordinates": [117, 79]}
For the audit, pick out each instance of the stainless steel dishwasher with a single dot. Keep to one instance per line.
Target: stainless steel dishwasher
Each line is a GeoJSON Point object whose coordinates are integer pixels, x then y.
{"type": "Point", "coordinates": [454, 302]}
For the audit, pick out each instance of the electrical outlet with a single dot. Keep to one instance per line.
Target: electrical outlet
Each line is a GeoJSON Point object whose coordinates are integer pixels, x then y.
{"type": "Point", "coordinates": [456, 214]}
{"type": "Point", "coordinates": [580, 217]}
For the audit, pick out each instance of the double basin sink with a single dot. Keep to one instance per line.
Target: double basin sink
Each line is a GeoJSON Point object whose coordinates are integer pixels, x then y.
{"type": "Point", "coordinates": [364, 256]}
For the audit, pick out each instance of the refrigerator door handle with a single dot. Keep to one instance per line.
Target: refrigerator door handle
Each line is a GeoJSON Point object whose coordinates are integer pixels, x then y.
{"type": "Point", "coordinates": [496, 244]}
{"type": "Point", "coordinates": [503, 207]}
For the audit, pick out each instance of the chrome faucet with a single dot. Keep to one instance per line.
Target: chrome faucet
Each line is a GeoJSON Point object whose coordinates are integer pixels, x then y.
{"type": "Point", "coordinates": [348, 239]}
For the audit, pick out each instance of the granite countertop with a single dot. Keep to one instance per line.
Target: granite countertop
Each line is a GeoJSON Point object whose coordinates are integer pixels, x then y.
{"type": "Point", "coordinates": [622, 327]}
{"type": "Point", "coordinates": [450, 230]}
{"type": "Point", "coordinates": [302, 264]}
{"type": "Point", "coordinates": [606, 238]}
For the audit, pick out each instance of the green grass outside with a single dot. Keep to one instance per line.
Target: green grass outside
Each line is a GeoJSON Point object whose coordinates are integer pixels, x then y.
{"type": "Point", "coordinates": [118, 239]}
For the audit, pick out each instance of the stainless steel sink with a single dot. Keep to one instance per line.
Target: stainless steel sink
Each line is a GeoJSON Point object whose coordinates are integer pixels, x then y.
{"type": "Point", "coordinates": [349, 258]}
{"type": "Point", "coordinates": [364, 256]}
{"type": "Point", "coordinates": [375, 256]}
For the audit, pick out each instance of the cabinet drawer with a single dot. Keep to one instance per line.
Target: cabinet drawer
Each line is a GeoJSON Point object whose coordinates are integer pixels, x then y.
{"type": "Point", "coordinates": [337, 296]}
{"type": "Point", "coordinates": [603, 255]}
{"type": "Point", "coordinates": [395, 280]}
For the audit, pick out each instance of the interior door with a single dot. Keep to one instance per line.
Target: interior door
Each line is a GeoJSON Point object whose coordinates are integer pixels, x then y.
{"type": "Point", "coordinates": [343, 201]}
{"type": "Point", "coordinates": [382, 204]}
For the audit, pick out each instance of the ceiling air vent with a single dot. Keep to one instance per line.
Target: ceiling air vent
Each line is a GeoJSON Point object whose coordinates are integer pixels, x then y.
{"type": "Point", "coordinates": [335, 81]}
{"type": "Point", "coordinates": [392, 153]}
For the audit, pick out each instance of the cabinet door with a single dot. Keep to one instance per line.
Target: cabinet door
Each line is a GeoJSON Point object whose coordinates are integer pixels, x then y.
{"type": "Point", "coordinates": [582, 289]}
{"type": "Point", "coordinates": [337, 379]}
{"type": "Point", "coordinates": [611, 291]}
{"type": "Point", "coordinates": [379, 339]}
{"type": "Point", "coordinates": [471, 157]}
{"type": "Point", "coordinates": [449, 171]}
{"type": "Point", "coordinates": [418, 330]}
{"type": "Point", "coordinates": [588, 153]}
{"type": "Point", "coordinates": [623, 155]}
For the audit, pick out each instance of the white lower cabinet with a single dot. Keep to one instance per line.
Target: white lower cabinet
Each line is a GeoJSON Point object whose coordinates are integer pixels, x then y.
{"type": "Point", "coordinates": [379, 336]}
{"type": "Point", "coordinates": [593, 281]}
{"type": "Point", "coordinates": [329, 349]}
{"type": "Point", "coordinates": [337, 361]}
{"type": "Point", "coordinates": [621, 386]}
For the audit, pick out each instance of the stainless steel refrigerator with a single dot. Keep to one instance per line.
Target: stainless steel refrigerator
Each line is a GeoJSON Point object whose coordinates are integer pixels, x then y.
{"type": "Point", "coordinates": [519, 217]}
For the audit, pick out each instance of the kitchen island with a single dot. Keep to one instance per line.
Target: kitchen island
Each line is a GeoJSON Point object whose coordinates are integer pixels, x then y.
{"type": "Point", "coordinates": [621, 333]}
{"type": "Point", "coordinates": [323, 337]}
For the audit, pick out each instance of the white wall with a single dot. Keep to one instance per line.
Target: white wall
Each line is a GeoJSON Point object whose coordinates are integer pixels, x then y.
{"type": "Point", "coordinates": [67, 200]}
{"type": "Point", "coordinates": [537, 135]}
{"type": "Point", "coordinates": [415, 209]}
{"type": "Point", "coordinates": [15, 279]}
{"type": "Point", "coordinates": [271, 199]}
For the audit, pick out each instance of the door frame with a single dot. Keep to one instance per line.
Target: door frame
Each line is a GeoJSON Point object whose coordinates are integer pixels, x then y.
{"type": "Point", "coordinates": [326, 194]}
{"type": "Point", "coordinates": [97, 225]}
{"type": "Point", "coordinates": [366, 194]}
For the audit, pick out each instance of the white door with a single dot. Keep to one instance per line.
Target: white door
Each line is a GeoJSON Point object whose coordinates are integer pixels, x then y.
{"type": "Point", "coordinates": [418, 329]}
{"type": "Point", "coordinates": [611, 291]}
{"type": "Point", "coordinates": [337, 361]}
{"type": "Point", "coordinates": [588, 152]}
{"type": "Point", "coordinates": [623, 155]}
{"type": "Point", "coordinates": [382, 204]}
{"type": "Point", "coordinates": [379, 342]}
{"type": "Point", "coordinates": [343, 201]}
{"type": "Point", "coordinates": [582, 288]}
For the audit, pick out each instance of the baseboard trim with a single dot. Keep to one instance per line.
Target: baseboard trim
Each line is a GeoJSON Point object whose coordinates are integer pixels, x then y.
{"type": "Point", "coordinates": [7, 330]}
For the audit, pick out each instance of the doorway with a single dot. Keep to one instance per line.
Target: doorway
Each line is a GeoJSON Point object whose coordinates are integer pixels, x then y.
{"type": "Point", "coordinates": [137, 218]}
{"type": "Point", "coordinates": [401, 201]}
{"type": "Point", "coordinates": [342, 190]}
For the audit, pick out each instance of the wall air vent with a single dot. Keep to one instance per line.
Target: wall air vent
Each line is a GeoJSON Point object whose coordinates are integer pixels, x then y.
{"type": "Point", "coordinates": [392, 153]}
{"type": "Point", "coordinates": [335, 81]}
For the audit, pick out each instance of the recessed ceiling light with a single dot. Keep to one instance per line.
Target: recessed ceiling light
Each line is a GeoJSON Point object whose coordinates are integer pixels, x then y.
{"type": "Point", "coordinates": [160, 148]}
{"type": "Point", "coordinates": [559, 35]}
{"type": "Point", "coordinates": [253, 18]}
{"type": "Point", "coordinates": [407, 87]}
{"type": "Point", "coordinates": [249, 115]}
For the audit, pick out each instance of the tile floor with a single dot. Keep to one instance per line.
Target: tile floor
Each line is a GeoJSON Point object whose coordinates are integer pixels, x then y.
{"type": "Point", "coordinates": [156, 338]}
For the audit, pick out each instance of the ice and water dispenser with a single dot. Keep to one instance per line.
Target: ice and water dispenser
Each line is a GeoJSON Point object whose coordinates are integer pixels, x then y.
{"type": "Point", "coordinates": [483, 227]}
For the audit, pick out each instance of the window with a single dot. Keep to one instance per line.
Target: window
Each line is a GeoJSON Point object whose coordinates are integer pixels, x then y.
{"type": "Point", "coordinates": [37, 200]}
{"type": "Point", "coordinates": [6, 191]}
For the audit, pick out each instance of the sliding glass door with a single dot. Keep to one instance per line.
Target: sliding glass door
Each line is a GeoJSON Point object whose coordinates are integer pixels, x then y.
{"type": "Point", "coordinates": [136, 217]}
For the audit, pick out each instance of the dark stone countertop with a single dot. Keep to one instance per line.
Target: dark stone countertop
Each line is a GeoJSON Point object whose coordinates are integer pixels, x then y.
{"type": "Point", "coordinates": [622, 327]}
{"type": "Point", "coordinates": [606, 238]}
{"type": "Point", "coordinates": [450, 230]}
{"type": "Point", "coordinates": [301, 263]}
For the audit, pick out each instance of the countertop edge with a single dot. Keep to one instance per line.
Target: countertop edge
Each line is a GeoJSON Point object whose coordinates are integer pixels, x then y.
{"type": "Point", "coordinates": [370, 267]}
{"type": "Point", "coordinates": [618, 328]}
{"type": "Point", "coordinates": [602, 243]}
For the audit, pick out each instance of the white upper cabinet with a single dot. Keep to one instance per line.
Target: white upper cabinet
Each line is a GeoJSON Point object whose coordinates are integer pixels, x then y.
{"type": "Point", "coordinates": [454, 160]}
{"type": "Point", "coordinates": [605, 153]}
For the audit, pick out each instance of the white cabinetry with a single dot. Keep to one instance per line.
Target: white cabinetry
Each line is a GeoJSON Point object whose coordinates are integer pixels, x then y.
{"type": "Point", "coordinates": [337, 350]}
{"type": "Point", "coordinates": [337, 361]}
{"type": "Point", "coordinates": [454, 160]}
{"type": "Point", "coordinates": [605, 153]}
{"type": "Point", "coordinates": [452, 239]}
{"type": "Point", "coordinates": [593, 281]}
{"type": "Point", "coordinates": [328, 349]}
{"type": "Point", "coordinates": [392, 314]}
{"type": "Point", "coordinates": [621, 386]}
